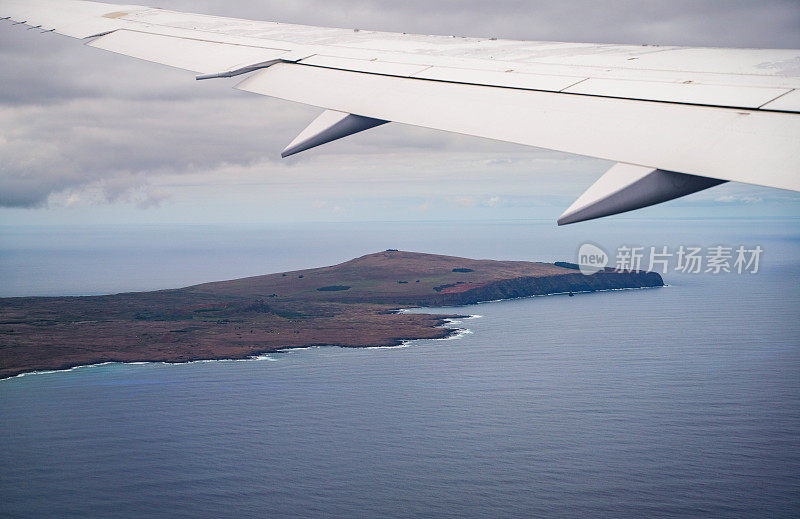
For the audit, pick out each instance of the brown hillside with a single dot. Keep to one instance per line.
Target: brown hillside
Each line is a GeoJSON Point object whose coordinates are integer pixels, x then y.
{"type": "Point", "coordinates": [351, 304]}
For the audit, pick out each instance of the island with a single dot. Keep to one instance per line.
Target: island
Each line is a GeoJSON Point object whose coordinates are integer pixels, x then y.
{"type": "Point", "coordinates": [353, 304]}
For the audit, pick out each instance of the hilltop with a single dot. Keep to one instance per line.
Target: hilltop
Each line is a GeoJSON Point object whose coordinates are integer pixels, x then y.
{"type": "Point", "coordinates": [352, 304]}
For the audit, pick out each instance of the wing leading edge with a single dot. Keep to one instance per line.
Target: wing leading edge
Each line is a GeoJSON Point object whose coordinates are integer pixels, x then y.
{"type": "Point", "coordinates": [676, 120]}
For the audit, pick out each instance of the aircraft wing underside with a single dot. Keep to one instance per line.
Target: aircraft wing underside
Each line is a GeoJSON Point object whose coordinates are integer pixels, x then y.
{"type": "Point", "coordinates": [676, 120]}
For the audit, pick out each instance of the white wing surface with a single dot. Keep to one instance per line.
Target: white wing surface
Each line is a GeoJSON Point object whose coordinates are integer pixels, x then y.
{"type": "Point", "coordinates": [675, 119]}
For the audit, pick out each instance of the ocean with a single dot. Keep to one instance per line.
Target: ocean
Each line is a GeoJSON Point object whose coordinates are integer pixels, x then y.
{"type": "Point", "coordinates": [682, 401]}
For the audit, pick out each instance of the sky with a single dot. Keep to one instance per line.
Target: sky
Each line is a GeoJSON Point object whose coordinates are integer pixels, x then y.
{"type": "Point", "coordinates": [87, 136]}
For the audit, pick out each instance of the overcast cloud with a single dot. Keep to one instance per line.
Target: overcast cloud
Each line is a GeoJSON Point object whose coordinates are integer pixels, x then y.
{"type": "Point", "coordinates": [82, 127]}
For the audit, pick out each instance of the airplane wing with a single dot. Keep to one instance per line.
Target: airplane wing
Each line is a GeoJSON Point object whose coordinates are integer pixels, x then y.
{"type": "Point", "coordinates": [675, 120]}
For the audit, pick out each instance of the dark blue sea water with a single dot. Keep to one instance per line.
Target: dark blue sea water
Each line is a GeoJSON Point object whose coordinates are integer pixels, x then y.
{"type": "Point", "coordinates": [675, 402]}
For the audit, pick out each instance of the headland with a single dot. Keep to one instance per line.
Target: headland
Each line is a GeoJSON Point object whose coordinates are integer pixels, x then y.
{"type": "Point", "coordinates": [352, 304]}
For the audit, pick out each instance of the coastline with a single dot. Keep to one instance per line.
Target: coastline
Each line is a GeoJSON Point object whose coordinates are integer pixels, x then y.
{"type": "Point", "coordinates": [450, 334]}
{"type": "Point", "coordinates": [546, 295]}
{"type": "Point", "coordinates": [361, 303]}
{"type": "Point", "coordinates": [453, 334]}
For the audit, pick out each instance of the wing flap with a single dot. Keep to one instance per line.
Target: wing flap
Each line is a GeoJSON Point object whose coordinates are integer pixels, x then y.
{"type": "Point", "coordinates": [690, 92]}
{"type": "Point", "coordinates": [509, 78]}
{"type": "Point", "coordinates": [752, 147]}
{"type": "Point", "coordinates": [368, 66]}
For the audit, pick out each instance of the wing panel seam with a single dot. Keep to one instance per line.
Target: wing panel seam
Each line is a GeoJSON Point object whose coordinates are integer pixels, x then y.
{"type": "Point", "coordinates": [682, 103]}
